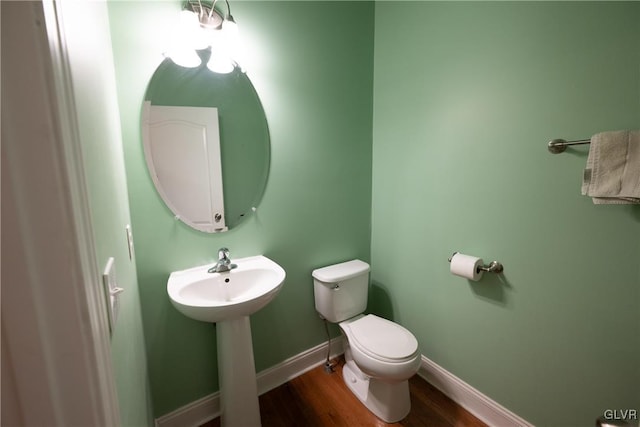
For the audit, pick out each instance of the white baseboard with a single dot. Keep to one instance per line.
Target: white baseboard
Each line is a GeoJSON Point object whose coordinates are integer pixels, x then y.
{"type": "Point", "coordinates": [482, 407]}
{"type": "Point", "coordinates": [207, 408]}
{"type": "Point", "coordinates": [193, 414]}
{"type": "Point", "coordinates": [297, 365]}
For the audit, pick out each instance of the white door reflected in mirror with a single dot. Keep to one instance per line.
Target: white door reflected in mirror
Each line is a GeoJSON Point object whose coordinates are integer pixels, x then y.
{"type": "Point", "coordinates": [182, 150]}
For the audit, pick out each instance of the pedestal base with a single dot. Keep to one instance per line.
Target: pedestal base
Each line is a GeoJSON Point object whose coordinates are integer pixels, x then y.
{"type": "Point", "coordinates": [237, 374]}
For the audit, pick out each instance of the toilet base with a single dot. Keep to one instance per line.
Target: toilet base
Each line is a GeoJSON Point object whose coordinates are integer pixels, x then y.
{"type": "Point", "coordinates": [388, 401]}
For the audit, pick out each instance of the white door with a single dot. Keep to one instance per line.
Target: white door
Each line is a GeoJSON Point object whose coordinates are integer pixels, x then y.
{"type": "Point", "coordinates": [182, 149]}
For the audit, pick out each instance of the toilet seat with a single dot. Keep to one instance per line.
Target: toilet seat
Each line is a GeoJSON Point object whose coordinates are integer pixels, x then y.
{"type": "Point", "coordinates": [382, 339]}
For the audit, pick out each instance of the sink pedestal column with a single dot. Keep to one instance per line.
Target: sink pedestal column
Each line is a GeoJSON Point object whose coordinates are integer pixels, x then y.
{"type": "Point", "coordinates": [237, 374]}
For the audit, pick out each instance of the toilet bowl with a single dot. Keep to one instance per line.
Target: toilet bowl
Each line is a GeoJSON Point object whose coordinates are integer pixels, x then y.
{"type": "Point", "coordinates": [380, 355]}
{"type": "Point", "coordinates": [381, 348]}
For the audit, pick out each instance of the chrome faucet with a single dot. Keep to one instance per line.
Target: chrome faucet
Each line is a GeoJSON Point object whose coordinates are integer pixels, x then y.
{"type": "Point", "coordinates": [224, 262]}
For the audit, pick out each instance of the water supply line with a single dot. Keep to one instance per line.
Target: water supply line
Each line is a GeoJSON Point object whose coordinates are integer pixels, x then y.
{"type": "Point", "coordinates": [328, 366]}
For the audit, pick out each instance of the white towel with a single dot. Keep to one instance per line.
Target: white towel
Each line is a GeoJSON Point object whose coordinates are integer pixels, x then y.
{"type": "Point", "coordinates": [612, 175]}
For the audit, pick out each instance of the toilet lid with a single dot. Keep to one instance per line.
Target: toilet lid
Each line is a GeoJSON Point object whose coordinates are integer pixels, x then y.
{"type": "Point", "coordinates": [382, 338]}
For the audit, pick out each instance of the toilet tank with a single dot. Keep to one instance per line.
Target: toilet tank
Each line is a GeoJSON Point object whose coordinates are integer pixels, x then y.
{"type": "Point", "coordinates": [341, 290]}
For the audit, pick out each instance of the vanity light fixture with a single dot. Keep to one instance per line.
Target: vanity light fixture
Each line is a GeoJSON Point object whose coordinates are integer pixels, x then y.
{"type": "Point", "coordinates": [202, 27]}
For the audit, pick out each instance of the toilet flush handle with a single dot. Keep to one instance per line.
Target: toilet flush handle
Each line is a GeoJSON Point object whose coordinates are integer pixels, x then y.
{"type": "Point", "coordinates": [335, 287]}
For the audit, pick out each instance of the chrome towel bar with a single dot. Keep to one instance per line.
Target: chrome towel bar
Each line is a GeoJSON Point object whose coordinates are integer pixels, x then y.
{"type": "Point", "coordinates": [556, 146]}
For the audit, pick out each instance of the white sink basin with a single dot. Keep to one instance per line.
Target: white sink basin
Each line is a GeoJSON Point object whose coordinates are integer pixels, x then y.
{"type": "Point", "coordinates": [217, 297]}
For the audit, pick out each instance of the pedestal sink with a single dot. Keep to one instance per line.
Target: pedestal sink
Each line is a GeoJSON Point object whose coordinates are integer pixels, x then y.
{"type": "Point", "coordinates": [228, 299]}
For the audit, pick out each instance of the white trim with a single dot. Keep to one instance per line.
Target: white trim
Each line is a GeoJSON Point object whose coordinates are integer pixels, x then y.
{"type": "Point", "coordinates": [297, 365]}
{"type": "Point", "coordinates": [53, 318]}
{"type": "Point", "coordinates": [481, 406]}
{"type": "Point", "coordinates": [98, 340]}
{"type": "Point", "coordinates": [207, 408]}
{"type": "Point", "coordinates": [193, 414]}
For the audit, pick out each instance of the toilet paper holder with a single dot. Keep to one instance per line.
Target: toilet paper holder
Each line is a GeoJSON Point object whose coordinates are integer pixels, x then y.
{"type": "Point", "coordinates": [493, 267]}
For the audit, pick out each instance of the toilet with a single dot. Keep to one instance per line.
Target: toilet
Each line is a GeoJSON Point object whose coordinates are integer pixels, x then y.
{"type": "Point", "coordinates": [380, 355]}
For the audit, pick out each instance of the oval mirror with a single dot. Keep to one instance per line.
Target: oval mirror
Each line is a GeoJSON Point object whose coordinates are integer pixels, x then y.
{"type": "Point", "coordinates": [206, 144]}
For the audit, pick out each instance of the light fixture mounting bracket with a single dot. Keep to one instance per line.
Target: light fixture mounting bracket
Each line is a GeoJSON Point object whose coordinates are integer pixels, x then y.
{"type": "Point", "coordinates": [207, 15]}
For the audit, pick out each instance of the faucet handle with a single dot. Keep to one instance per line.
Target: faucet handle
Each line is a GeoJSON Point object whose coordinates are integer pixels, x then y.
{"type": "Point", "coordinates": [223, 253]}
{"type": "Point", "coordinates": [224, 263]}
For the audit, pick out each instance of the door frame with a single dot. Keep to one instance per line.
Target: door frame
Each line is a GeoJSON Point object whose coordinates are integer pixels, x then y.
{"type": "Point", "coordinates": [56, 349]}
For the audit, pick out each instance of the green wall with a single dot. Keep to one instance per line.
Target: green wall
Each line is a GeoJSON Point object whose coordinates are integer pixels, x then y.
{"type": "Point", "coordinates": [464, 99]}
{"type": "Point", "coordinates": [88, 47]}
{"type": "Point", "coordinates": [312, 65]}
{"type": "Point", "coordinates": [466, 96]}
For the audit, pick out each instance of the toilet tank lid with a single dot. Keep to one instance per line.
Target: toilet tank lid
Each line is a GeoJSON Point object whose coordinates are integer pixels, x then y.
{"type": "Point", "coordinates": [343, 271]}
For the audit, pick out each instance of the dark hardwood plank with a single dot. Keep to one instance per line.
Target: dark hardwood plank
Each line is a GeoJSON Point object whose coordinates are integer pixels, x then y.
{"type": "Point", "coordinates": [318, 399]}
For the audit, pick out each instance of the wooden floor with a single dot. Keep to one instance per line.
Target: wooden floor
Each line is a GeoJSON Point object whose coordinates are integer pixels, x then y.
{"type": "Point", "coordinates": [318, 399]}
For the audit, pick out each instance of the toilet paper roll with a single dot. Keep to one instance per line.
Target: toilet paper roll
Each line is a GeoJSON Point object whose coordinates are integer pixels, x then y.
{"type": "Point", "coordinates": [466, 266]}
